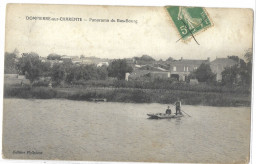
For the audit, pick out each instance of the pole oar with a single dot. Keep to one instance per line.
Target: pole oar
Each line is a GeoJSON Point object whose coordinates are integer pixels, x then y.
{"type": "Point", "coordinates": [185, 113]}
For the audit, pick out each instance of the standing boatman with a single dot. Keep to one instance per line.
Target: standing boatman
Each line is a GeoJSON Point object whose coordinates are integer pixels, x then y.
{"type": "Point", "coordinates": [178, 107]}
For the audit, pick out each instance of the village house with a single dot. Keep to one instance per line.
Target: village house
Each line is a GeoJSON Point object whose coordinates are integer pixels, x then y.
{"type": "Point", "coordinates": [219, 64]}
{"type": "Point", "coordinates": [103, 64]}
{"type": "Point", "coordinates": [52, 62]}
{"type": "Point", "coordinates": [149, 71]}
{"type": "Point", "coordinates": [66, 57]}
{"type": "Point", "coordinates": [130, 61]}
{"type": "Point", "coordinates": [180, 69]}
{"type": "Point", "coordinates": [99, 62]}
{"type": "Point", "coordinates": [86, 60]}
{"type": "Point", "coordinates": [43, 59]}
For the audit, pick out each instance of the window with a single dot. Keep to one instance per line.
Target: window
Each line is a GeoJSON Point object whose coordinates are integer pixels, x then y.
{"type": "Point", "coordinates": [186, 69]}
{"type": "Point", "coordinates": [174, 68]}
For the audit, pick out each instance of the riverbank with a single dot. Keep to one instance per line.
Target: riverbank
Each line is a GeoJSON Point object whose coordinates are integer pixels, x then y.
{"type": "Point", "coordinates": [130, 95]}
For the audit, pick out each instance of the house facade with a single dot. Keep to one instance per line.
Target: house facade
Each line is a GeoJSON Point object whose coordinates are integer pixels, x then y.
{"type": "Point", "coordinates": [219, 64]}
{"type": "Point", "coordinates": [180, 69]}
{"type": "Point", "coordinates": [160, 75]}
{"type": "Point", "coordinates": [149, 71]}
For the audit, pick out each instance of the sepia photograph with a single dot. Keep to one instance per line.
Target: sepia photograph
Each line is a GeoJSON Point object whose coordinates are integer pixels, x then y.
{"type": "Point", "coordinates": [159, 84]}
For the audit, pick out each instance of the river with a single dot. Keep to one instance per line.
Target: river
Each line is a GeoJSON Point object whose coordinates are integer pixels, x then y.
{"type": "Point", "coordinates": [106, 131]}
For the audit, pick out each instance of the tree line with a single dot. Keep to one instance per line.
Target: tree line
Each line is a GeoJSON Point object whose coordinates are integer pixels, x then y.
{"type": "Point", "coordinates": [238, 74]}
{"type": "Point", "coordinates": [33, 68]}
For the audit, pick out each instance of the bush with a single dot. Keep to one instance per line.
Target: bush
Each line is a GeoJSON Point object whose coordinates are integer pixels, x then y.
{"type": "Point", "coordinates": [82, 96]}
{"type": "Point", "coordinates": [18, 92]}
{"type": "Point", "coordinates": [133, 95]}
{"type": "Point", "coordinates": [43, 93]}
{"type": "Point", "coordinates": [28, 92]}
{"type": "Point", "coordinates": [40, 83]}
{"type": "Point", "coordinates": [139, 96]}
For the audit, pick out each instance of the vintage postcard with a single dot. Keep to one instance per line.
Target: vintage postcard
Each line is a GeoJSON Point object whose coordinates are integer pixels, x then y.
{"type": "Point", "coordinates": [127, 84]}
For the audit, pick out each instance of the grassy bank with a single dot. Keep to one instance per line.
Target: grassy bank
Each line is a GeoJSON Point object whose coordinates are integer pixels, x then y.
{"type": "Point", "coordinates": [131, 95]}
{"type": "Point", "coordinates": [161, 84]}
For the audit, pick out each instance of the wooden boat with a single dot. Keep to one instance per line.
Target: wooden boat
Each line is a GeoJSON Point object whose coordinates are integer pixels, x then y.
{"type": "Point", "coordinates": [163, 116]}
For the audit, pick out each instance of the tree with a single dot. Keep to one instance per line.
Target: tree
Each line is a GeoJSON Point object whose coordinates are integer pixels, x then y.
{"type": "Point", "coordinates": [30, 65]}
{"type": "Point", "coordinates": [118, 68]}
{"type": "Point", "coordinates": [71, 73]}
{"type": "Point", "coordinates": [85, 72]}
{"type": "Point", "coordinates": [145, 58]}
{"type": "Point", "coordinates": [170, 59]}
{"type": "Point", "coordinates": [45, 68]}
{"type": "Point", "coordinates": [246, 72]}
{"type": "Point", "coordinates": [204, 73]}
{"type": "Point", "coordinates": [230, 74]}
{"type": "Point", "coordinates": [58, 73]}
{"type": "Point", "coordinates": [10, 63]}
{"type": "Point", "coordinates": [238, 60]}
{"type": "Point", "coordinates": [240, 73]}
{"type": "Point", "coordinates": [102, 73]}
{"type": "Point", "coordinates": [82, 57]}
{"type": "Point", "coordinates": [249, 56]}
{"type": "Point", "coordinates": [53, 57]}
{"type": "Point", "coordinates": [235, 58]}
{"type": "Point", "coordinates": [89, 72]}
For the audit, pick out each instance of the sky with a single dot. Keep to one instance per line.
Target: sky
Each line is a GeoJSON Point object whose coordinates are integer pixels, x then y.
{"type": "Point", "coordinates": [154, 33]}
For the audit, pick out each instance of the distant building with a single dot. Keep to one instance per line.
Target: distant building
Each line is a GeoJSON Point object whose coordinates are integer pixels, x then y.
{"type": "Point", "coordinates": [219, 64]}
{"type": "Point", "coordinates": [130, 61]}
{"type": "Point", "coordinates": [148, 71]}
{"type": "Point", "coordinates": [95, 60]}
{"type": "Point", "coordinates": [43, 59]}
{"type": "Point", "coordinates": [76, 61]}
{"type": "Point", "coordinates": [151, 68]}
{"type": "Point", "coordinates": [180, 69]}
{"type": "Point", "coordinates": [160, 75]}
{"type": "Point", "coordinates": [64, 57]}
{"type": "Point", "coordinates": [86, 62]}
{"type": "Point", "coordinates": [127, 76]}
{"type": "Point", "coordinates": [137, 74]}
{"type": "Point", "coordinates": [102, 64]}
{"type": "Point", "coordinates": [52, 62]}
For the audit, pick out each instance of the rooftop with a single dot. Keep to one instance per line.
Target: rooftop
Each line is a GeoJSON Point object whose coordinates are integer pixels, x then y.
{"type": "Point", "coordinates": [190, 61]}
{"type": "Point", "coordinates": [223, 61]}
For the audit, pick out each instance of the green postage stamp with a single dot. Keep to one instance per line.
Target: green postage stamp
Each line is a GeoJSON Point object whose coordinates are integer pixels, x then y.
{"type": "Point", "coordinates": [189, 20]}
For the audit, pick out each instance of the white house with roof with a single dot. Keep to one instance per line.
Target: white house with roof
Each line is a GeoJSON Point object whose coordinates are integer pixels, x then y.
{"type": "Point", "coordinates": [102, 64]}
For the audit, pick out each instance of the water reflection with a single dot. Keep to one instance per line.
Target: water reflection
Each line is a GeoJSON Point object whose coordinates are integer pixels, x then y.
{"type": "Point", "coordinates": [178, 121]}
{"type": "Point", "coordinates": [122, 132]}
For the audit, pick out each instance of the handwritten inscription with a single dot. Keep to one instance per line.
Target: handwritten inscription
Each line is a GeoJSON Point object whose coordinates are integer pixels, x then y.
{"type": "Point", "coordinates": [77, 19]}
{"type": "Point", "coordinates": [27, 152]}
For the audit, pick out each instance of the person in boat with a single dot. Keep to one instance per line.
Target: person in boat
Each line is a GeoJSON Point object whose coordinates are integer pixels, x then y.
{"type": "Point", "coordinates": [178, 107]}
{"type": "Point", "coordinates": [168, 111]}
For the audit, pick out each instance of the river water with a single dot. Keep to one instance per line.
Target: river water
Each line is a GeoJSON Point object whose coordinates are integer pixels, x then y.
{"type": "Point", "coordinates": [78, 130]}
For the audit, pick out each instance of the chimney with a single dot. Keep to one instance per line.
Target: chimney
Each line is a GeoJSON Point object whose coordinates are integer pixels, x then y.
{"type": "Point", "coordinates": [208, 59]}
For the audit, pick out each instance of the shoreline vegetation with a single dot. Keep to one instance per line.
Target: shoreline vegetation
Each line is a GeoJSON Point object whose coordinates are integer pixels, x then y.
{"type": "Point", "coordinates": [129, 80]}
{"type": "Point", "coordinates": [122, 91]}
